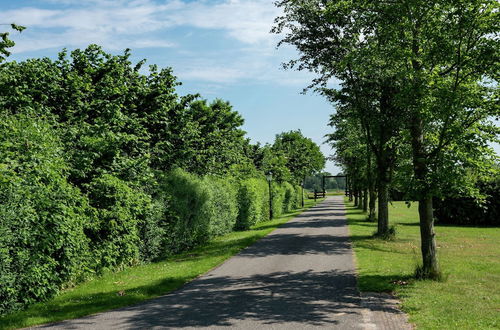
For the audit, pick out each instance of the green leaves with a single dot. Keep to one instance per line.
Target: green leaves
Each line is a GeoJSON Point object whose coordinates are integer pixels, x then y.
{"type": "Point", "coordinates": [6, 43]}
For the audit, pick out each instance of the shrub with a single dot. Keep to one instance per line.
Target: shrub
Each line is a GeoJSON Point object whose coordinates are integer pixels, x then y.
{"type": "Point", "coordinates": [187, 226]}
{"type": "Point", "coordinates": [42, 242]}
{"type": "Point", "coordinates": [119, 211]}
{"type": "Point", "coordinates": [221, 209]}
{"type": "Point", "coordinates": [250, 203]}
{"type": "Point", "coordinates": [200, 208]}
{"type": "Point", "coordinates": [289, 201]}
{"type": "Point", "coordinates": [468, 210]}
{"type": "Point", "coordinates": [278, 195]}
{"type": "Point", "coordinates": [298, 197]}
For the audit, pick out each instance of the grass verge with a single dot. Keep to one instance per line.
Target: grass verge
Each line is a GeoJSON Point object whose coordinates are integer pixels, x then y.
{"type": "Point", "coordinates": [469, 259]}
{"type": "Point", "coordinates": [136, 284]}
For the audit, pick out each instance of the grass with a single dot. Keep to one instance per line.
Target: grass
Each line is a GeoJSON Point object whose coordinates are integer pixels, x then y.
{"type": "Point", "coordinates": [136, 284]}
{"type": "Point", "coordinates": [469, 298]}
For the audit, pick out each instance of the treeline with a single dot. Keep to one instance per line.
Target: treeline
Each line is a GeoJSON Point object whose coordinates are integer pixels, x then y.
{"type": "Point", "coordinates": [315, 182]}
{"type": "Point", "coordinates": [103, 166]}
{"type": "Point", "coordinates": [414, 108]}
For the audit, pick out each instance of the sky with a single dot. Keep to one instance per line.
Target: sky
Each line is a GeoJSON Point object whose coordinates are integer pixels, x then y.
{"type": "Point", "coordinates": [218, 48]}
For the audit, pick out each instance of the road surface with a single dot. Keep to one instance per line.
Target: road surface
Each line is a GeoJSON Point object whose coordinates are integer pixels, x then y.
{"type": "Point", "coordinates": [300, 276]}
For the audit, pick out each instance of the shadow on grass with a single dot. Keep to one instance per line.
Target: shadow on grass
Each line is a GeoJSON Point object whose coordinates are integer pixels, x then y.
{"type": "Point", "coordinates": [383, 283]}
{"type": "Point", "coordinates": [90, 303]}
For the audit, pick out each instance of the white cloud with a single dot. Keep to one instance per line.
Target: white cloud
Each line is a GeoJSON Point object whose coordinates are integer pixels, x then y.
{"type": "Point", "coordinates": [244, 20]}
{"type": "Point", "coordinates": [121, 24]}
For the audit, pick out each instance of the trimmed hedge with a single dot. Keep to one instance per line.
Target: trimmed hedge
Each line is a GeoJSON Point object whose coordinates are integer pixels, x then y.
{"type": "Point", "coordinates": [52, 235]}
{"type": "Point", "coordinates": [200, 209]}
{"type": "Point", "coordinates": [253, 202]}
{"type": "Point", "coordinates": [278, 193]}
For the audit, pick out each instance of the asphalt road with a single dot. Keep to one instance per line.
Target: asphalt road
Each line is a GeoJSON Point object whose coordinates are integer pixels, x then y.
{"type": "Point", "coordinates": [300, 276]}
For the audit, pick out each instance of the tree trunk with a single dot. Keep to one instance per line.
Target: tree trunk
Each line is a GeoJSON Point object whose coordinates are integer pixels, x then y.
{"type": "Point", "coordinates": [370, 177]}
{"type": "Point", "coordinates": [360, 199]}
{"type": "Point", "coordinates": [430, 267]}
{"type": "Point", "coordinates": [427, 234]}
{"type": "Point", "coordinates": [356, 198]}
{"type": "Point", "coordinates": [373, 200]}
{"type": "Point", "coordinates": [365, 200]}
{"type": "Point", "coordinates": [383, 207]}
{"type": "Point", "coordinates": [350, 190]}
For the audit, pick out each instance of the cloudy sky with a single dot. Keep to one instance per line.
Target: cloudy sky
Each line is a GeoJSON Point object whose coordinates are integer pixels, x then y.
{"type": "Point", "coordinates": [219, 48]}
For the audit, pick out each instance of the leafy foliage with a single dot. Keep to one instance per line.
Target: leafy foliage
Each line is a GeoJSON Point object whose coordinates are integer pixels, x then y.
{"type": "Point", "coordinates": [253, 201]}
{"type": "Point", "coordinates": [42, 242]}
{"type": "Point", "coordinates": [102, 167]}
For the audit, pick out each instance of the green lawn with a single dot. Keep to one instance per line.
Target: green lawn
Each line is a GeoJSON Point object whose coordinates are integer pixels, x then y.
{"type": "Point", "coordinates": [130, 286]}
{"type": "Point", "coordinates": [469, 258]}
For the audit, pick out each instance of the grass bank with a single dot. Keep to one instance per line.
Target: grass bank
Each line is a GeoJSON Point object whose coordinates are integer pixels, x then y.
{"type": "Point", "coordinates": [136, 284]}
{"type": "Point", "coordinates": [469, 258]}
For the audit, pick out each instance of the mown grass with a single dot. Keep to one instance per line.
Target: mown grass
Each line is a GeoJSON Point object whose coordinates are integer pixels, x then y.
{"type": "Point", "coordinates": [469, 298]}
{"type": "Point", "coordinates": [136, 284]}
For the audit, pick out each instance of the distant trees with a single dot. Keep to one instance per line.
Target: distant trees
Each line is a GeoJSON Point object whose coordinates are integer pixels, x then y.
{"type": "Point", "coordinates": [292, 157]}
{"type": "Point", "coordinates": [316, 182]}
{"type": "Point", "coordinates": [419, 85]}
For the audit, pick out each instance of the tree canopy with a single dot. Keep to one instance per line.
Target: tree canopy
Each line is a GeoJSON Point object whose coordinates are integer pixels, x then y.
{"type": "Point", "coordinates": [419, 82]}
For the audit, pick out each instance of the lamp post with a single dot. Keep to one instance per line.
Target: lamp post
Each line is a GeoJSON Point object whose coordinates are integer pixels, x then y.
{"type": "Point", "coordinates": [269, 178]}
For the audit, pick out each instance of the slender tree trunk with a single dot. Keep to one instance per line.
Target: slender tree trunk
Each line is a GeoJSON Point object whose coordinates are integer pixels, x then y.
{"type": "Point", "coordinates": [371, 185]}
{"type": "Point", "coordinates": [360, 199]}
{"type": "Point", "coordinates": [350, 190]}
{"type": "Point", "coordinates": [365, 200]}
{"type": "Point", "coordinates": [430, 266]}
{"type": "Point", "coordinates": [356, 197]}
{"type": "Point", "coordinates": [383, 207]}
{"type": "Point", "coordinates": [373, 200]}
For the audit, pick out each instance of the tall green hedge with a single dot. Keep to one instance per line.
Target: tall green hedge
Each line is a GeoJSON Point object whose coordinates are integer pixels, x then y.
{"type": "Point", "coordinates": [53, 235]}
{"type": "Point", "coordinates": [253, 202]}
{"type": "Point", "coordinates": [201, 208]}
{"type": "Point", "coordinates": [278, 195]}
{"type": "Point", "coordinates": [42, 218]}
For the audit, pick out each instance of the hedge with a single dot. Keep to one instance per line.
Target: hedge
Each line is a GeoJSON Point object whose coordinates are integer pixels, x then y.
{"type": "Point", "coordinates": [469, 211]}
{"type": "Point", "coordinates": [42, 242]}
{"type": "Point", "coordinates": [52, 235]}
{"type": "Point", "coordinates": [253, 202]}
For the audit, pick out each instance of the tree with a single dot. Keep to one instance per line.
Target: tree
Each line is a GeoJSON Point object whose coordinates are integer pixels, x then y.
{"type": "Point", "coordinates": [302, 156]}
{"type": "Point", "coordinates": [332, 41]}
{"type": "Point", "coordinates": [6, 43]}
{"type": "Point", "coordinates": [434, 63]}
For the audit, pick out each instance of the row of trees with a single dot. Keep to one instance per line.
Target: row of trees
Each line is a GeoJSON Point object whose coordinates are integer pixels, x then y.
{"type": "Point", "coordinates": [418, 89]}
{"type": "Point", "coordinates": [102, 166]}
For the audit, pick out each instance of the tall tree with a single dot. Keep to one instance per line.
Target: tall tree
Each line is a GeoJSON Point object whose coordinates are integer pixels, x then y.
{"type": "Point", "coordinates": [435, 62]}
{"type": "Point", "coordinates": [302, 156]}
{"type": "Point", "coordinates": [332, 40]}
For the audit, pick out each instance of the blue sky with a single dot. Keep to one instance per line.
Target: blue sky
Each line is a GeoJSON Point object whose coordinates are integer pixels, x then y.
{"type": "Point", "coordinates": [218, 48]}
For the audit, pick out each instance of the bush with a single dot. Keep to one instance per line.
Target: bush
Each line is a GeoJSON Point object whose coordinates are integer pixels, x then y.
{"type": "Point", "coordinates": [200, 208]}
{"type": "Point", "coordinates": [469, 211]}
{"type": "Point", "coordinates": [42, 242]}
{"type": "Point", "coordinates": [278, 194]}
{"type": "Point", "coordinates": [221, 208]}
{"type": "Point", "coordinates": [119, 211]}
{"type": "Point", "coordinates": [298, 197]}
{"type": "Point", "coordinates": [251, 203]}
{"type": "Point", "coordinates": [290, 200]}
